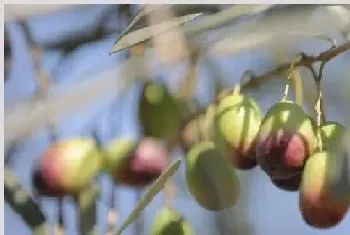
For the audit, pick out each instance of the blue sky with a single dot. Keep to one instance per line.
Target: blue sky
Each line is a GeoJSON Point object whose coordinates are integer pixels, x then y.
{"type": "Point", "coordinates": [270, 210]}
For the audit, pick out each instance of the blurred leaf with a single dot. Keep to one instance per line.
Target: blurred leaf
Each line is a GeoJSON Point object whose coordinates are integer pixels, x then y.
{"type": "Point", "coordinates": [148, 32]}
{"type": "Point", "coordinates": [87, 202]}
{"type": "Point", "coordinates": [340, 13]}
{"type": "Point", "coordinates": [22, 203]}
{"type": "Point", "coordinates": [224, 17]}
{"type": "Point", "coordinates": [281, 28]}
{"type": "Point", "coordinates": [139, 15]}
{"type": "Point", "coordinates": [209, 22]}
{"type": "Point", "coordinates": [156, 187]}
{"type": "Point", "coordinates": [178, 9]}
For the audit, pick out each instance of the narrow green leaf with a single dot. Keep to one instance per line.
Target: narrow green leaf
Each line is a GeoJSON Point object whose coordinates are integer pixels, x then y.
{"type": "Point", "coordinates": [146, 33]}
{"type": "Point", "coordinates": [178, 9]}
{"type": "Point", "coordinates": [139, 15]}
{"type": "Point", "coordinates": [156, 187]}
{"type": "Point", "coordinates": [209, 22]}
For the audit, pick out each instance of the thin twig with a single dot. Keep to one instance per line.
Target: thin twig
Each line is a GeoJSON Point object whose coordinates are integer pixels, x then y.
{"type": "Point", "coordinates": [289, 77]}
{"type": "Point", "coordinates": [316, 80]}
{"type": "Point", "coordinates": [10, 153]}
{"type": "Point", "coordinates": [318, 106]}
{"type": "Point", "coordinates": [41, 76]}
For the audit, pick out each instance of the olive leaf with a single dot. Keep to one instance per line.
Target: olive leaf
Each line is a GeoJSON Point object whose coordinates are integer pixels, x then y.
{"type": "Point", "coordinates": [146, 33]}
{"type": "Point", "coordinates": [147, 9]}
{"type": "Point", "coordinates": [128, 39]}
{"type": "Point", "coordinates": [178, 9]}
{"type": "Point", "coordinates": [156, 187]}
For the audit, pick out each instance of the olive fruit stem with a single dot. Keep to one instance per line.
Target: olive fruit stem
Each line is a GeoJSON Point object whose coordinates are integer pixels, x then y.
{"type": "Point", "coordinates": [290, 75]}
{"type": "Point", "coordinates": [237, 87]}
{"type": "Point", "coordinates": [318, 107]}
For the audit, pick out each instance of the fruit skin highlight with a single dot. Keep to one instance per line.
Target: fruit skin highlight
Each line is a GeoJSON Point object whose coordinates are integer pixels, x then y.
{"type": "Point", "coordinates": [236, 126]}
{"type": "Point", "coordinates": [285, 140]}
{"type": "Point", "coordinates": [319, 206]}
{"type": "Point", "coordinates": [66, 167]}
{"type": "Point", "coordinates": [169, 222]}
{"type": "Point", "coordinates": [210, 179]}
{"type": "Point", "coordinates": [135, 163]}
{"type": "Point", "coordinates": [159, 113]}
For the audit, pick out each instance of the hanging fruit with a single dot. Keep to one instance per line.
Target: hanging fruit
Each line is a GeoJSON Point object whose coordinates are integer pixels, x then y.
{"type": "Point", "coordinates": [135, 163]}
{"type": "Point", "coordinates": [67, 167]}
{"type": "Point", "coordinates": [285, 141]}
{"type": "Point", "coordinates": [210, 179]}
{"type": "Point", "coordinates": [236, 126]}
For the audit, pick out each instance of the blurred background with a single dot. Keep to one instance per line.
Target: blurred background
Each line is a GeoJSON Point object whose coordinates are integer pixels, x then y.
{"type": "Point", "coordinates": [59, 71]}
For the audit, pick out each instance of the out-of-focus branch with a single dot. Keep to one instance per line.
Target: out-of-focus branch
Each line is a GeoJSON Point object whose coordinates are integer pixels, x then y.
{"type": "Point", "coordinates": [9, 153]}
{"type": "Point", "coordinates": [139, 20]}
{"type": "Point", "coordinates": [41, 76]}
{"type": "Point", "coordinates": [22, 203]}
{"type": "Point", "coordinates": [305, 61]}
{"type": "Point", "coordinates": [7, 53]}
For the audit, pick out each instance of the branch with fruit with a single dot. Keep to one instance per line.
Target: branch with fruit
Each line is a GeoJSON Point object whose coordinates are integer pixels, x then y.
{"type": "Point", "coordinates": [231, 135]}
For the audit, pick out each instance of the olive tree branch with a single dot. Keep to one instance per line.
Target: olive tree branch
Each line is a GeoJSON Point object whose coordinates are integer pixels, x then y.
{"type": "Point", "coordinates": [303, 61]}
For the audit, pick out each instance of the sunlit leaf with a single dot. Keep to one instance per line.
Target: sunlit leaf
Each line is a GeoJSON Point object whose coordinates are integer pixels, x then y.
{"type": "Point", "coordinates": [280, 28]}
{"type": "Point", "coordinates": [139, 15]}
{"type": "Point", "coordinates": [178, 9]}
{"type": "Point", "coordinates": [226, 16]}
{"type": "Point", "coordinates": [156, 187]}
{"type": "Point", "coordinates": [148, 32]}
